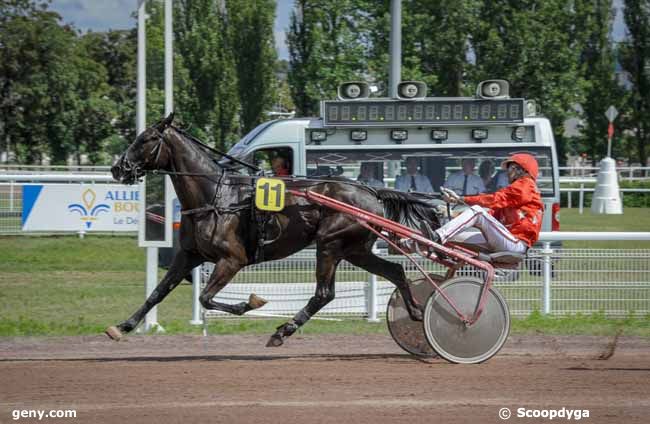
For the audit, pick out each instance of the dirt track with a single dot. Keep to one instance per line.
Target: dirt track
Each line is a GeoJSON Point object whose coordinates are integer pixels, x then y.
{"type": "Point", "coordinates": [335, 379]}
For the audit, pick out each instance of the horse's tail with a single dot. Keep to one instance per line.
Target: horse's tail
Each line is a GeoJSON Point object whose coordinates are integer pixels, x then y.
{"type": "Point", "coordinates": [407, 209]}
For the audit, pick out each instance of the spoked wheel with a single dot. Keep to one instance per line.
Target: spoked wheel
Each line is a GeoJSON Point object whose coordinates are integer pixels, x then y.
{"type": "Point", "coordinates": [448, 335]}
{"type": "Point", "coordinates": [409, 334]}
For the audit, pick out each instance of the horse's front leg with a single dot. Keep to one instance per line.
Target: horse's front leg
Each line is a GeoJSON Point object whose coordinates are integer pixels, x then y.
{"type": "Point", "coordinates": [182, 264]}
{"type": "Point", "coordinates": [224, 271]}
{"type": "Point", "coordinates": [325, 273]}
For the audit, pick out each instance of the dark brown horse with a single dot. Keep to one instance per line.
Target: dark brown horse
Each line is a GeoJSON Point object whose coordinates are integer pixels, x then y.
{"type": "Point", "coordinates": [220, 225]}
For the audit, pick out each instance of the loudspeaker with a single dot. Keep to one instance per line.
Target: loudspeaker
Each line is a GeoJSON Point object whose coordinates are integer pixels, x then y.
{"type": "Point", "coordinates": [409, 90]}
{"type": "Point", "coordinates": [493, 89]}
{"type": "Point", "coordinates": [353, 90]}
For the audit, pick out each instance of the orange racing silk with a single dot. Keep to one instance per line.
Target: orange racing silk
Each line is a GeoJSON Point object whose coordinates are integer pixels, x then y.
{"type": "Point", "coordinates": [518, 206]}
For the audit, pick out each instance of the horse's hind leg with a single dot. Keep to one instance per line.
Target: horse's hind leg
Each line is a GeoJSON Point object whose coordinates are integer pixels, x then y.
{"type": "Point", "coordinates": [224, 271]}
{"type": "Point", "coordinates": [325, 273]}
{"type": "Point", "coordinates": [183, 263]}
{"type": "Point", "coordinates": [392, 272]}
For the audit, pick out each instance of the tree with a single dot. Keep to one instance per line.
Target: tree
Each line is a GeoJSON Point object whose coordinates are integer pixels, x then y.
{"type": "Point", "coordinates": [635, 59]}
{"type": "Point", "coordinates": [37, 79]}
{"type": "Point", "coordinates": [95, 110]}
{"type": "Point", "coordinates": [212, 102]}
{"type": "Point", "coordinates": [250, 26]}
{"type": "Point", "coordinates": [301, 39]}
{"type": "Point", "coordinates": [326, 48]}
{"type": "Point", "coordinates": [116, 51]}
{"type": "Point", "coordinates": [597, 63]}
{"type": "Point", "coordinates": [529, 43]}
{"type": "Point", "coordinates": [435, 42]}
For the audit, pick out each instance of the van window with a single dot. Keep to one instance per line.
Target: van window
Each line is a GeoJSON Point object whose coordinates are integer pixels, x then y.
{"type": "Point", "coordinates": [438, 166]}
{"type": "Point", "coordinates": [275, 161]}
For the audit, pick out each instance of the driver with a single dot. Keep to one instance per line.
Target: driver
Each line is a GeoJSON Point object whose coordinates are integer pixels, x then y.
{"type": "Point", "coordinates": [514, 219]}
{"type": "Point", "coordinates": [279, 166]}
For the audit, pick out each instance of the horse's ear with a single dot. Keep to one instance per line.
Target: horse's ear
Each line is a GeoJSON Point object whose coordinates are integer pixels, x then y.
{"type": "Point", "coordinates": [168, 120]}
{"type": "Point", "coordinates": [164, 123]}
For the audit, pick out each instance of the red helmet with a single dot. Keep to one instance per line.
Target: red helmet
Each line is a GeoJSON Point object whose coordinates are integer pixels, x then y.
{"type": "Point", "coordinates": [527, 162]}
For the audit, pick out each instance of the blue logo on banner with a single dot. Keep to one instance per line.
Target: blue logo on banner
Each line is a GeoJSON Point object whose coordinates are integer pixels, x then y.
{"type": "Point", "coordinates": [30, 194]}
{"type": "Point", "coordinates": [88, 211]}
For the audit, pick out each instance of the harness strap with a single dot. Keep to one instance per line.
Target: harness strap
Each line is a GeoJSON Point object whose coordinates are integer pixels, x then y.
{"type": "Point", "coordinates": [214, 209]}
{"type": "Point", "coordinates": [200, 210]}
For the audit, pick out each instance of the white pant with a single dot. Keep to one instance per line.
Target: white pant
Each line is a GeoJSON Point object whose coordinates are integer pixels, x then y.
{"type": "Point", "coordinates": [493, 234]}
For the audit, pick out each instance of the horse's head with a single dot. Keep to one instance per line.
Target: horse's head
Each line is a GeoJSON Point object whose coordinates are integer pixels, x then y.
{"type": "Point", "coordinates": [148, 152]}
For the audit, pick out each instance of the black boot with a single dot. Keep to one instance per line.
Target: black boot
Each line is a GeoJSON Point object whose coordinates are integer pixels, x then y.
{"type": "Point", "coordinates": [427, 232]}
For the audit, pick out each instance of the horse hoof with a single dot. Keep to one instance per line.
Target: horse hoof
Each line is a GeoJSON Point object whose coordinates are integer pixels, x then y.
{"type": "Point", "coordinates": [274, 341]}
{"type": "Point", "coordinates": [417, 315]}
{"type": "Point", "coordinates": [255, 302]}
{"type": "Point", "coordinates": [114, 333]}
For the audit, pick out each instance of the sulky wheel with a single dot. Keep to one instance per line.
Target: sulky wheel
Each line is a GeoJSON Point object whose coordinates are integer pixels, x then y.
{"type": "Point", "coordinates": [455, 341]}
{"type": "Point", "coordinates": [409, 334]}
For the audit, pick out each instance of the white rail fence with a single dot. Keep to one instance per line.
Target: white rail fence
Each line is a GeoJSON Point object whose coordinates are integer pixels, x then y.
{"type": "Point", "coordinates": [582, 190]}
{"type": "Point", "coordinates": [629, 173]}
{"type": "Point", "coordinates": [615, 282]}
{"type": "Point", "coordinates": [11, 188]}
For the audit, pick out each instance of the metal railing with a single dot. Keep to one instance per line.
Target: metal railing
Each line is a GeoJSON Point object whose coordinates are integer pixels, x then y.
{"type": "Point", "coordinates": [625, 172]}
{"type": "Point", "coordinates": [48, 169]}
{"type": "Point", "coordinates": [615, 282]}
{"type": "Point", "coordinates": [582, 190]}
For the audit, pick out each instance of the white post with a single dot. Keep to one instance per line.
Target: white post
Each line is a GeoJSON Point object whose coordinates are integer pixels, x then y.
{"type": "Point", "coordinates": [372, 298]}
{"type": "Point", "coordinates": [570, 197]}
{"type": "Point", "coordinates": [169, 59]}
{"type": "Point", "coordinates": [372, 294]}
{"type": "Point", "coordinates": [151, 319]}
{"type": "Point", "coordinates": [11, 196]}
{"type": "Point", "coordinates": [141, 84]}
{"type": "Point", "coordinates": [82, 229]}
{"type": "Point", "coordinates": [546, 252]}
{"type": "Point", "coordinates": [196, 292]}
{"type": "Point", "coordinates": [581, 199]}
{"type": "Point", "coordinates": [395, 46]}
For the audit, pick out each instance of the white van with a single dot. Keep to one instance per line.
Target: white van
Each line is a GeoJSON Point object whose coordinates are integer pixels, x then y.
{"type": "Point", "coordinates": [370, 139]}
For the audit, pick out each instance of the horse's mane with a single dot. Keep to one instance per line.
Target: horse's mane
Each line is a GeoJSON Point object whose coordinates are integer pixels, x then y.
{"type": "Point", "coordinates": [407, 209]}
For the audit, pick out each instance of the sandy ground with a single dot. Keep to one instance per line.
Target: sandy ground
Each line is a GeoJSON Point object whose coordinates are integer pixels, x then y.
{"type": "Point", "coordinates": [317, 379]}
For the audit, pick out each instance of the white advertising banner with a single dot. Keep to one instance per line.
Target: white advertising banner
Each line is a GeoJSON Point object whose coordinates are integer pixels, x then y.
{"type": "Point", "coordinates": [80, 207]}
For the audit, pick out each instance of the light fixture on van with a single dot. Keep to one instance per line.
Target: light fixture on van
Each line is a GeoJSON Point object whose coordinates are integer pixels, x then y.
{"type": "Point", "coordinates": [439, 135]}
{"type": "Point", "coordinates": [358, 136]}
{"type": "Point", "coordinates": [479, 134]}
{"type": "Point", "coordinates": [318, 136]}
{"type": "Point", "coordinates": [519, 133]}
{"type": "Point", "coordinates": [399, 135]}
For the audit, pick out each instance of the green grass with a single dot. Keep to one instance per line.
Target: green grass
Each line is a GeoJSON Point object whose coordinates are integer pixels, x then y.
{"type": "Point", "coordinates": [67, 286]}
{"type": "Point", "coordinates": [632, 219]}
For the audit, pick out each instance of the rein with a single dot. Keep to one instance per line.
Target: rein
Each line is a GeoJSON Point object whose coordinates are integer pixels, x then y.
{"type": "Point", "coordinates": [216, 151]}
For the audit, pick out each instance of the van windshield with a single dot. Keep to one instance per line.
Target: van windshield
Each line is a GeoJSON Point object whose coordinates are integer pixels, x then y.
{"type": "Point", "coordinates": [467, 171]}
{"type": "Point", "coordinates": [241, 145]}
